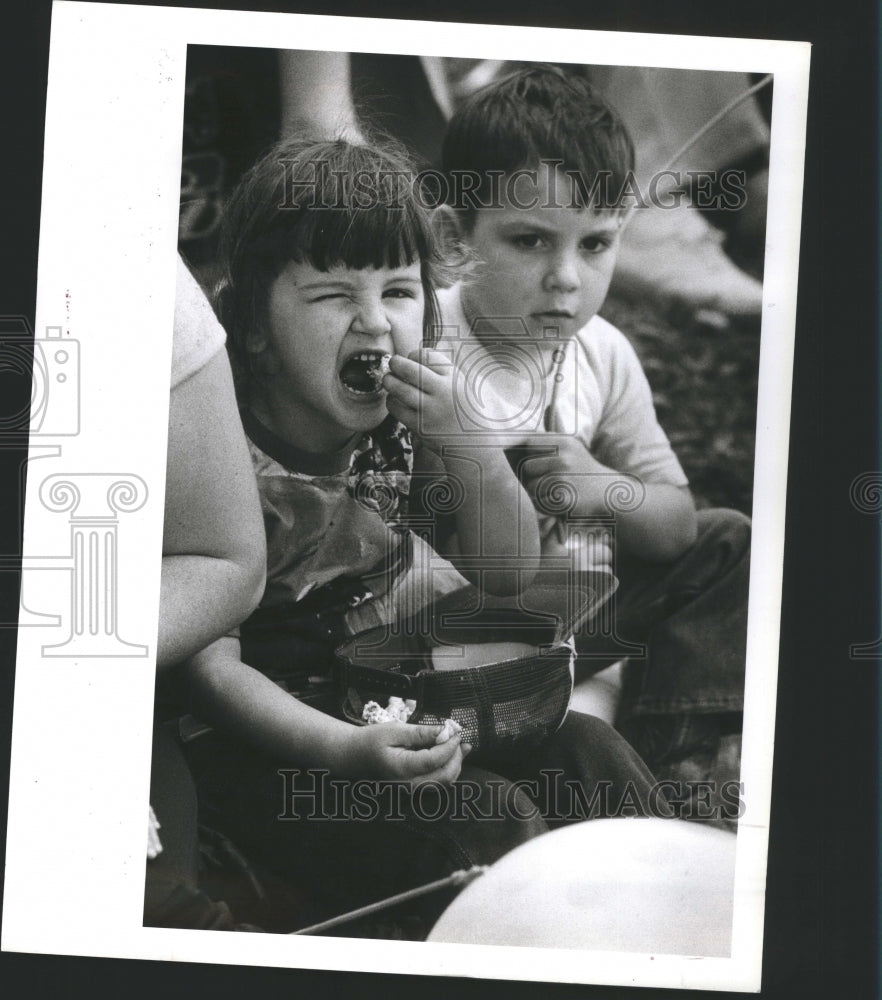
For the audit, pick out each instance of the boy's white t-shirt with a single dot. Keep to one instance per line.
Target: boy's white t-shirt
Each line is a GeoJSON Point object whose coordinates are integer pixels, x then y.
{"type": "Point", "coordinates": [601, 396]}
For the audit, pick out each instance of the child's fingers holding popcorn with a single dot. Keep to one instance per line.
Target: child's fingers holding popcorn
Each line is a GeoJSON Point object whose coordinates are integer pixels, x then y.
{"type": "Point", "coordinates": [421, 391]}
{"type": "Point", "coordinates": [410, 752]}
{"type": "Point", "coordinates": [405, 394]}
{"type": "Point", "coordinates": [403, 387]}
{"type": "Point", "coordinates": [437, 361]}
{"type": "Point", "coordinates": [425, 370]}
{"type": "Point", "coordinates": [445, 756]}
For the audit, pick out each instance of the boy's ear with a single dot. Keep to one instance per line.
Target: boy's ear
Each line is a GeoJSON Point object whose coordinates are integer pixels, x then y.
{"type": "Point", "coordinates": [447, 224]}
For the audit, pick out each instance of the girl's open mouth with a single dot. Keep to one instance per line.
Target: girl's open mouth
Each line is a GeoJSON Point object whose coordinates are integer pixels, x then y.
{"type": "Point", "coordinates": [363, 373]}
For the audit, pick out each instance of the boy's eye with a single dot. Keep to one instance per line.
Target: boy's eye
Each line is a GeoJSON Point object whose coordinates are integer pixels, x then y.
{"type": "Point", "coordinates": [327, 297]}
{"type": "Point", "coordinates": [596, 244]}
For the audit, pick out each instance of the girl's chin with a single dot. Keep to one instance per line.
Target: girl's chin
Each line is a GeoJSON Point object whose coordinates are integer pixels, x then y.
{"type": "Point", "coordinates": [363, 399]}
{"type": "Point", "coordinates": [363, 413]}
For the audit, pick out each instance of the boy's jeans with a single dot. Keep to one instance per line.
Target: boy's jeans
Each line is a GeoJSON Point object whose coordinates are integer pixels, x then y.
{"type": "Point", "coordinates": [691, 615]}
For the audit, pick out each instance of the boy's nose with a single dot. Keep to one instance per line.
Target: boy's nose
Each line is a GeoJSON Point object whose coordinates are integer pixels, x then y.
{"type": "Point", "coordinates": [371, 320]}
{"type": "Point", "coordinates": [563, 274]}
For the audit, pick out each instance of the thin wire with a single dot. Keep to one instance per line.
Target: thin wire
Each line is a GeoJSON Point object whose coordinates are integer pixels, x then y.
{"type": "Point", "coordinates": [554, 428]}
{"type": "Point", "coordinates": [461, 877]}
{"type": "Point", "coordinates": [718, 117]}
{"type": "Point", "coordinates": [708, 125]}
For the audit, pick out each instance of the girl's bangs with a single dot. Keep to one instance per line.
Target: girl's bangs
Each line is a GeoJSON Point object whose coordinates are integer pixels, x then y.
{"type": "Point", "coordinates": [377, 236]}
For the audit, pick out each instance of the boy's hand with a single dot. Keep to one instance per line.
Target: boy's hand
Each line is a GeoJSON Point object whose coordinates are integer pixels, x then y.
{"type": "Point", "coordinates": [572, 468]}
{"type": "Point", "coordinates": [404, 752]}
{"type": "Point", "coordinates": [655, 521]}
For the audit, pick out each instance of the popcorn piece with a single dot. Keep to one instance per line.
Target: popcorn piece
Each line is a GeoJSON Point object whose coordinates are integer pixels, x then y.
{"type": "Point", "coordinates": [450, 728]}
{"type": "Point", "coordinates": [380, 372]}
{"type": "Point", "coordinates": [400, 709]}
{"type": "Point", "coordinates": [373, 713]}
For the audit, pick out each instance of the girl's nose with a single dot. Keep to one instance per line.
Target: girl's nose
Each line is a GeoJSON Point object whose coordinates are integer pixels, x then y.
{"type": "Point", "coordinates": [371, 319]}
{"type": "Point", "coordinates": [563, 274]}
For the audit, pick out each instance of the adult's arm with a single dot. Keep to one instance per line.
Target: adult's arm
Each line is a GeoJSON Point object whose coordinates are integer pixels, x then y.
{"type": "Point", "coordinates": [214, 548]}
{"type": "Point", "coordinates": [316, 88]}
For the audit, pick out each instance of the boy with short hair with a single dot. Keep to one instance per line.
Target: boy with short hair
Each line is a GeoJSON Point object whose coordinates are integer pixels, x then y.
{"type": "Point", "coordinates": [536, 166]}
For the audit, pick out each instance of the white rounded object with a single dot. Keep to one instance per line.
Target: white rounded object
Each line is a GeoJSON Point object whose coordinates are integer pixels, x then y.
{"type": "Point", "coordinates": [639, 885]}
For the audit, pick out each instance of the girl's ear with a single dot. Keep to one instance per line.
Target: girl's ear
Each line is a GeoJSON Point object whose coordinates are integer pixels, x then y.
{"type": "Point", "coordinates": [264, 361]}
{"type": "Point", "coordinates": [447, 226]}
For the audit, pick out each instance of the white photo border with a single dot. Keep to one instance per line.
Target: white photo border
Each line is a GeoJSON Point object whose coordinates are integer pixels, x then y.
{"type": "Point", "coordinates": [81, 733]}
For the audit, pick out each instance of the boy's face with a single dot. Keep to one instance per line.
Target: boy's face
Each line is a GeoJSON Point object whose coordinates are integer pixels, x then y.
{"type": "Point", "coordinates": [539, 258]}
{"type": "Point", "coordinates": [327, 332]}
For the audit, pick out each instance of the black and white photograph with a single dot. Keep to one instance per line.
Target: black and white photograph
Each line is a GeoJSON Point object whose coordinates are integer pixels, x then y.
{"type": "Point", "coordinates": [552, 220]}
{"type": "Point", "coordinates": [404, 523]}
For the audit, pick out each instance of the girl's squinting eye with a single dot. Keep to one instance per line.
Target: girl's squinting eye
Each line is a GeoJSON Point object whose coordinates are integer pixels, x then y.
{"type": "Point", "coordinates": [527, 241]}
{"type": "Point", "coordinates": [400, 293]}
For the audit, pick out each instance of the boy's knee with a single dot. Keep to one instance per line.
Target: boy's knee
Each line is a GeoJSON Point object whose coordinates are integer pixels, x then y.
{"type": "Point", "coordinates": [494, 815]}
{"type": "Point", "coordinates": [599, 753]}
{"type": "Point", "coordinates": [720, 526]}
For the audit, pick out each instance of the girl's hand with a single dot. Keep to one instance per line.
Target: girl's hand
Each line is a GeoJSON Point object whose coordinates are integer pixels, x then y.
{"type": "Point", "coordinates": [404, 752]}
{"type": "Point", "coordinates": [487, 400]}
{"type": "Point", "coordinates": [421, 391]}
{"type": "Point", "coordinates": [434, 399]}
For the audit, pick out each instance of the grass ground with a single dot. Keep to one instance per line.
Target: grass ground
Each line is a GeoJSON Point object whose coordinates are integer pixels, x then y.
{"type": "Point", "coordinates": [704, 386]}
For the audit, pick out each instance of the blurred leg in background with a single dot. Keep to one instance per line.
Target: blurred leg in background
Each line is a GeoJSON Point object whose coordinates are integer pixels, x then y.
{"type": "Point", "coordinates": [674, 255]}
